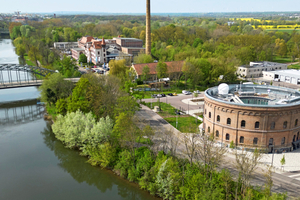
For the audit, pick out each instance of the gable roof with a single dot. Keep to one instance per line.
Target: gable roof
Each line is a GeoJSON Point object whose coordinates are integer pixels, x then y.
{"type": "Point", "coordinates": [173, 66]}
{"type": "Point", "coordinates": [86, 39]}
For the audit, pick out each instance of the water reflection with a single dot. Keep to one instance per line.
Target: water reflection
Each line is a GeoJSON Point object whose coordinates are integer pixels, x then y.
{"type": "Point", "coordinates": [81, 171]}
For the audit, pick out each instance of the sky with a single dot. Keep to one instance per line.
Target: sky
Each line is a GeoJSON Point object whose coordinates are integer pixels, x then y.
{"type": "Point", "coordinates": [157, 6]}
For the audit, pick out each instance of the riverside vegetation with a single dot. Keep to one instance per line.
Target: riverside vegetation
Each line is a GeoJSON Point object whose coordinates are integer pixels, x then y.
{"type": "Point", "coordinates": [97, 117]}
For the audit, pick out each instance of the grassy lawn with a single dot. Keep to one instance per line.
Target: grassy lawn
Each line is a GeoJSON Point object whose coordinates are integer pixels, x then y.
{"type": "Point", "coordinates": [297, 66]}
{"type": "Point", "coordinates": [166, 109]}
{"type": "Point", "coordinates": [28, 62]}
{"type": "Point", "coordinates": [282, 60]}
{"type": "Point", "coordinates": [186, 124]}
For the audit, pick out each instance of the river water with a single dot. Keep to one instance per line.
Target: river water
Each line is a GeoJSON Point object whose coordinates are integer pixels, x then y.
{"type": "Point", "coordinates": [34, 165]}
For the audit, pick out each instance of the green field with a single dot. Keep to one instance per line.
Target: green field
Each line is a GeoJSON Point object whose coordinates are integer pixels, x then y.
{"type": "Point", "coordinates": [297, 66]}
{"type": "Point", "coordinates": [185, 124]}
{"type": "Point", "coordinates": [282, 59]}
{"type": "Point", "coordinates": [28, 62]}
{"type": "Point", "coordinates": [284, 30]}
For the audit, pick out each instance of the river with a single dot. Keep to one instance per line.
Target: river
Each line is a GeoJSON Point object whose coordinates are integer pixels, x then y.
{"type": "Point", "coordinates": [34, 165]}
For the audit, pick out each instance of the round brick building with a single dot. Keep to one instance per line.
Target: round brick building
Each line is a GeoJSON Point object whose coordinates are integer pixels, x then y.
{"type": "Point", "coordinates": [253, 116]}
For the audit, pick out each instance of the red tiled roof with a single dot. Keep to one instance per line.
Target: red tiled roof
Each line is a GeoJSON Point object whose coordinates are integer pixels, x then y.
{"type": "Point", "coordinates": [86, 39]}
{"type": "Point", "coordinates": [97, 44]}
{"type": "Point", "coordinates": [173, 66]}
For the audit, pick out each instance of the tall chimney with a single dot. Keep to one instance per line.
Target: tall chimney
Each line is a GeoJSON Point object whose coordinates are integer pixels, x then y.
{"type": "Point", "coordinates": [148, 29]}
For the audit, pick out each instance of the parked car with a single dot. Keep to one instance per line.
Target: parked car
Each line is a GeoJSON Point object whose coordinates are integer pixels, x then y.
{"type": "Point", "coordinates": [163, 95]}
{"type": "Point", "coordinates": [186, 92]}
{"type": "Point", "coordinates": [154, 95]}
{"type": "Point", "coordinates": [197, 92]}
{"type": "Point", "coordinates": [159, 96]}
{"type": "Point", "coordinates": [174, 94]}
{"type": "Point", "coordinates": [170, 94]}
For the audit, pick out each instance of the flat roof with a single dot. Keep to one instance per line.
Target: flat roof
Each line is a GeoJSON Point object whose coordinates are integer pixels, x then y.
{"type": "Point", "coordinates": [128, 38]}
{"type": "Point", "coordinates": [77, 49]}
{"type": "Point", "coordinates": [251, 95]}
{"type": "Point", "coordinates": [262, 64]}
{"type": "Point", "coordinates": [133, 48]}
{"type": "Point", "coordinates": [288, 72]}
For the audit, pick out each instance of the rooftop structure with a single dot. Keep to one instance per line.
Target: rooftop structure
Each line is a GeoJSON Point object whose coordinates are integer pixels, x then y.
{"type": "Point", "coordinates": [253, 116]}
{"type": "Point", "coordinates": [255, 69]}
{"type": "Point", "coordinates": [290, 76]}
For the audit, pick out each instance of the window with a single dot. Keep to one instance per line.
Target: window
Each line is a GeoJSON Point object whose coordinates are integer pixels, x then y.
{"type": "Point", "coordinates": [205, 111]}
{"type": "Point", "coordinates": [103, 50]}
{"type": "Point", "coordinates": [243, 123]}
{"type": "Point", "coordinates": [255, 140]}
{"type": "Point", "coordinates": [242, 139]}
{"type": "Point", "coordinates": [103, 55]}
{"type": "Point", "coordinates": [285, 124]}
{"type": "Point", "coordinates": [273, 125]}
{"type": "Point", "coordinates": [228, 121]}
{"type": "Point", "coordinates": [282, 140]}
{"type": "Point", "coordinates": [294, 138]}
{"type": "Point", "coordinates": [208, 129]}
{"type": "Point", "coordinates": [217, 133]}
{"type": "Point", "coordinates": [257, 125]}
{"type": "Point", "coordinates": [298, 136]}
{"type": "Point", "coordinates": [271, 141]}
{"type": "Point", "coordinates": [209, 114]}
{"type": "Point", "coordinates": [296, 122]}
{"type": "Point", "coordinates": [227, 136]}
{"type": "Point", "coordinates": [218, 118]}
{"type": "Point", "coordinates": [98, 52]}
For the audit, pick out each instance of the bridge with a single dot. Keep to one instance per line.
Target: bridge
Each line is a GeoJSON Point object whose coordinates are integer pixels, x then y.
{"type": "Point", "coordinates": [20, 112]}
{"type": "Point", "coordinates": [4, 31]}
{"type": "Point", "coordinates": [15, 76]}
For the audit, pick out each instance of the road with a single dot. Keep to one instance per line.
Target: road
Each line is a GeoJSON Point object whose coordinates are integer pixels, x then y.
{"type": "Point", "coordinates": [285, 182]}
{"type": "Point", "coordinates": [176, 101]}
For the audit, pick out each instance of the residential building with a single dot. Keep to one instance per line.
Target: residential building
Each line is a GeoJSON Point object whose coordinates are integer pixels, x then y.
{"type": "Point", "coordinates": [65, 45]}
{"type": "Point", "coordinates": [255, 69]}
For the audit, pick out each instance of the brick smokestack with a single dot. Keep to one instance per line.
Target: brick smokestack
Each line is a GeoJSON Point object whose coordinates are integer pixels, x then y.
{"type": "Point", "coordinates": [148, 28]}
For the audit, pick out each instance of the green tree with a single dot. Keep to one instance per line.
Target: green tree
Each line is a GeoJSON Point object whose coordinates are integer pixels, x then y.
{"type": "Point", "coordinates": [34, 55]}
{"type": "Point", "coordinates": [82, 58]}
{"type": "Point", "coordinates": [282, 161]}
{"type": "Point", "coordinates": [55, 87]}
{"type": "Point", "coordinates": [162, 70]}
{"type": "Point", "coordinates": [118, 69]}
{"type": "Point", "coordinates": [143, 58]}
{"type": "Point", "coordinates": [145, 73]}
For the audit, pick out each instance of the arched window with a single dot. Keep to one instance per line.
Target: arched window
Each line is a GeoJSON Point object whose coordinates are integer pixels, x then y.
{"type": "Point", "coordinates": [242, 139]}
{"type": "Point", "coordinates": [294, 138]}
{"type": "Point", "coordinates": [285, 124]}
{"type": "Point", "coordinates": [217, 133]}
{"type": "Point", "coordinates": [282, 140]}
{"type": "Point", "coordinates": [209, 114]}
{"type": "Point", "coordinates": [208, 129]}
{"type": "Point", "coordinates": [273, 125]}
{"type": "Point", "coordinates": [296, 122]}
{"type": "Point", "coordinates": [255, 140]}
{"type": "Point", "coordinates": [257, 125]}
{"type": "Point", "coordinates": [243, 123]}
{"type": "Point", "coordinates": [218, 118]}
{"type": "Point", "coordinates": [228, 121]}
{"type": "Point", "coordinates": [227, 136]}
{"type": "Point", "coordinates": [271, 141]}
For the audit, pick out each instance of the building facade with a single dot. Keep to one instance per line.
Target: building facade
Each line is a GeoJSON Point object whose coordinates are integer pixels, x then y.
{"type": "Point", "coordinates": [254, 116]}
{"type": "Point", "coordinates": [289, 76]}
{"type": "Point", "coordinates": [256, 69]}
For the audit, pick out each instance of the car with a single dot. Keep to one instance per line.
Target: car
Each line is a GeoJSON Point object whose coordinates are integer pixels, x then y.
{"type": "Point", "coordinates": [159, 96]}
{"type": "Point", "coordinates": [174, 94]}
{"type": "Point", "coordinates": [197, 92]}
{"type": "Point", "coordinates": [170, 94]}
{"type": "Point", "coordinates": [154, 95]}
{"type": "Point", "coordinates": [186, 92]}
{"type": "Point", "coordinates": [163, 95]}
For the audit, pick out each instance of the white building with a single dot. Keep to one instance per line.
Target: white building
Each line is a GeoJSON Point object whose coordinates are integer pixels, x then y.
{"type": "Point", "coordinates": [289, 76]}
{"type": "Point", "coordinates": [256, 69]}
{"type": "Point", "coordinates": [65, 45]}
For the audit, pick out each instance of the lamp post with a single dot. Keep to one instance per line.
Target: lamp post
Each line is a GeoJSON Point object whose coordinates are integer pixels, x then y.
{"type": "Point", "coordinates": [273, 153]}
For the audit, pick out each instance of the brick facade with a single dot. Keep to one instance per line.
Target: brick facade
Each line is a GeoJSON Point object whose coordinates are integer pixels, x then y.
{"type": "Point", "coordinates": [259, 124]}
